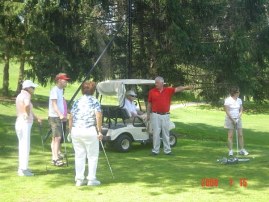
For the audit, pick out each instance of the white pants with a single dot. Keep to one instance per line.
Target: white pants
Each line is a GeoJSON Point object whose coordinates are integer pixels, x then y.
{"type": "Point", "coordinates": [23, 131]}
{"type": "Point", "coordinates": [85, 144]}
{"type": "Point", "coordinates": [160, 124]}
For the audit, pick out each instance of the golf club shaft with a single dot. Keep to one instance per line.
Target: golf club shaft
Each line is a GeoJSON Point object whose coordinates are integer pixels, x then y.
{"type": "Point", "coordinates": [43, 146]}
{"type": "Point", "coordinates": [107, 159]}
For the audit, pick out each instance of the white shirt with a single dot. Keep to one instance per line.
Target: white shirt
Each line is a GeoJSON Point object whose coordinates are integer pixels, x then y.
{"type": "Point", "coordinates": [234, 106]}
{"type": "Point", "coordinates": [56, 94]}
{"type": "Point", "coordinates": [130, 106]}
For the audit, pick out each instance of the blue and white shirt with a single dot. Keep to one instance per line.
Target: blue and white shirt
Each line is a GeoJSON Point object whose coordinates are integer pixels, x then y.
{"type": "Point", "coordinates": [83, 111]}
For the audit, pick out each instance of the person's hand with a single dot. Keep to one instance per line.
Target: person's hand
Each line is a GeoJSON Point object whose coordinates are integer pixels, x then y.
{"type": "Point", "coordinates": [235, 121]}
{"type": "Point", "coordinates": [25, 116]}
{"type": "Point", "coordinates": [62, 117]}
{"type": "Point", "coordinates": [39, 120]}
{"type": "Point", "coordinates": [99, 136]}
{"type": "Point", "coordinates": [191, 87]}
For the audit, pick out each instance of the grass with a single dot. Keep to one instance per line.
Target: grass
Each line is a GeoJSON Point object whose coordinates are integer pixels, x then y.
{"type": "Point", "coordinates": [139, 176]}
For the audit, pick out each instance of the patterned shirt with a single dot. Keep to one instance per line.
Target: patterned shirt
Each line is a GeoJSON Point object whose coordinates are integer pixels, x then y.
{"type": "Point", "coordinates": [83, 111]}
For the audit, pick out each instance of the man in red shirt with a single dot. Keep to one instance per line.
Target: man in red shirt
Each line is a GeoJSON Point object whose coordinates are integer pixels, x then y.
{"type": "Point", "coordinates": [159, 100]}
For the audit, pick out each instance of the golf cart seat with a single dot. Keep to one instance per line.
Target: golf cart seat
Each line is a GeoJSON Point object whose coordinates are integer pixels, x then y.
{"type": "Point", "coordinates": [113, 113]}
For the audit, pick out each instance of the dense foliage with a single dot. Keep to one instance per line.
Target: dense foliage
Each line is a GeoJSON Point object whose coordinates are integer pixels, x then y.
{"type": "Point", "coordinates": [213, 44]}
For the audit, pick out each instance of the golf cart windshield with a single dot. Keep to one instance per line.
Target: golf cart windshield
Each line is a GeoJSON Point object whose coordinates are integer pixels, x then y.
{"type": "Point", "coordinates": [117, 87]}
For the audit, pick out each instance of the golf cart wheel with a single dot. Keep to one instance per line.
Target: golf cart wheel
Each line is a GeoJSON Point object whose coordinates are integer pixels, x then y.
{"type": "Point", "coordinates": [172, 140]}
{"type": "Point", "coordinates": [123, 143]}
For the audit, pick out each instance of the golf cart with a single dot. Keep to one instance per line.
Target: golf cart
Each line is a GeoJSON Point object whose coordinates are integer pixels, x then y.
{"type": "Point", "coordinates": [118, 129]}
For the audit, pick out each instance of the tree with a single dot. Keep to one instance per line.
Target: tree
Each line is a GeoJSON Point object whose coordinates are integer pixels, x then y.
{"type": "Point", "coordinates": [11, 36]}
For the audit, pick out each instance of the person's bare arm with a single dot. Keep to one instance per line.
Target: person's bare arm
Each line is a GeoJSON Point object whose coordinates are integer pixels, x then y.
{"type": "Point", "coordinates": [182, 88]}
{"type": "Point", "coordinates": [56, 109]}
{"type": "Point", "coordinates": [240, 111]}
{"type": "Point", "coordinates": [99, 125]}
{"type": "Point", "coordinates": [227, 110]}
{"type": "Point", "coordinates": [70, 123]}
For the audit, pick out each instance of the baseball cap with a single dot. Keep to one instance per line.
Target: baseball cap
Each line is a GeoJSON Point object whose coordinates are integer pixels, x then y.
{"type": "Point", "coordinates": [131, 93]}
{"type": "Point", "coordinates": [28, 84]}
{"type": "Point", "coordinates": [61, 76]}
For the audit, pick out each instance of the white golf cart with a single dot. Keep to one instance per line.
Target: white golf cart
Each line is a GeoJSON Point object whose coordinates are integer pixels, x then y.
{"type": "Point", "coordinates": [118, 129]}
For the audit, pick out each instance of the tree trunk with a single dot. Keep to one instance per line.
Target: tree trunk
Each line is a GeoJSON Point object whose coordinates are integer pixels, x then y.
{"type": "Point", "coordinates": [6, 76]}
{"type": "Point", "coordinates": [21, 75]}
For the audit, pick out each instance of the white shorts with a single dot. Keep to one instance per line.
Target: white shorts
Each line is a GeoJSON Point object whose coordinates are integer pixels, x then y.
{"type": "Point", "coordinates": [229, 124]}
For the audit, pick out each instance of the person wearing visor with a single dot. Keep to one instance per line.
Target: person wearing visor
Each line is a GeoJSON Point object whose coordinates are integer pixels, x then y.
{"type": "Point", "coordinates": [23, 125]}
{"type": "Point", "coordinates": [57, 116]}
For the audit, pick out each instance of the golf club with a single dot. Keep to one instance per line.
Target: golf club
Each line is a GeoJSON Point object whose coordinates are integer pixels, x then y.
{"type": "Point", "coordinates": [234, 160]}
{"type": "Point", "coordinates": [107, 159]}
{"type": "Point", "coordinates": [65, 153]}
{"type": "Point", "coordinates": [43, 146]}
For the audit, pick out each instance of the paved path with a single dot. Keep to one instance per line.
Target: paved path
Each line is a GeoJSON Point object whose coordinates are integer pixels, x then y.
{"type": "Point", "coordinates": [187, 104]}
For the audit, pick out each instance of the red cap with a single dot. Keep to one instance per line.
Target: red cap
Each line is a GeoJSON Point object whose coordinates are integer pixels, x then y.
{"type": "Point", "coordinates": [61, 76]}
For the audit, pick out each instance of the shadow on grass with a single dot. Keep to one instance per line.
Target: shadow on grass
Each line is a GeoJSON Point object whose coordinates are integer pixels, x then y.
{"type": "Point", "coordinates": [194, 159]}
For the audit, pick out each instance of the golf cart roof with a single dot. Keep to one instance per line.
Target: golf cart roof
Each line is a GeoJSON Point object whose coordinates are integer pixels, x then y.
{"type": "Point", "coordinates": [117, 87]}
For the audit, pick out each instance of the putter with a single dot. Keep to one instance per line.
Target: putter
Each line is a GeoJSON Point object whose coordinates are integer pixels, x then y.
{"type": "Point", "coordinates": [107, 159]}
{"type": "Point", "coordinates": [43, 146]}
{"type": "Point", "coordinates": [65, 153]}
{"type": "Point", "coordinates": [224, 160]}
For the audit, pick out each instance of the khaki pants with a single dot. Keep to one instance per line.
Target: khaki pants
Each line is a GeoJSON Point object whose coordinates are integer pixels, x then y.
{"type": "Point", "coordinates": [160, 125]}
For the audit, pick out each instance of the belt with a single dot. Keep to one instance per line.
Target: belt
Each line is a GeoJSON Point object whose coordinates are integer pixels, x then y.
{"type": "Point", "coordinates": [161, 113]}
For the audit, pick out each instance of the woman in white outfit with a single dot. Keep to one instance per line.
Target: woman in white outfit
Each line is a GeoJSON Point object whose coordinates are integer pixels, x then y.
{"type": "Point", "coordinates": [234, 109]}
{"type": "Point", "coordinates": [24, 122]}
{"type": "Point", "coordinates": [85, 123]}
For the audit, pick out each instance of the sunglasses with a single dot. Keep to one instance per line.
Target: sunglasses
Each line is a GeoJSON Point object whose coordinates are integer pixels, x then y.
{"type": "Point", "coordinates": [132, 95]}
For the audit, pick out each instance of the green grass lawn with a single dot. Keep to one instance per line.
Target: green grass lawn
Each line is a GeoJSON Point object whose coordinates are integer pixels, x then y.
{"type": "Point", "coordinates": [139, 176]}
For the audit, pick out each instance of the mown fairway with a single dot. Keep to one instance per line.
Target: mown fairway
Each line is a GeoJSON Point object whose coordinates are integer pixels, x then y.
{"type": "Point", "coordinates": [139, 176]}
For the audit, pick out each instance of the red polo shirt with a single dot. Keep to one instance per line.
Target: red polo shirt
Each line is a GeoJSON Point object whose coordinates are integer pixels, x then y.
{"type": "Point", "coordinates": [160, 101]}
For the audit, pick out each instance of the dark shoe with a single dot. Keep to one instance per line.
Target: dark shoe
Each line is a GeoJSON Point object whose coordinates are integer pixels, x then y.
{"type": "Point", "coordinates": [154, 154]}
{"type": "Point", "coordinates": [61, 156]}
{"type": "Point", "coordinates": [58, 162]}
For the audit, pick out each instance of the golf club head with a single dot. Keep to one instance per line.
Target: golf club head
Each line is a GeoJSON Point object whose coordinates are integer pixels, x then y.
{"type": "Point", "coordinates": [243, 160]}
{"type": "Point", "coordinates": [224, 160]}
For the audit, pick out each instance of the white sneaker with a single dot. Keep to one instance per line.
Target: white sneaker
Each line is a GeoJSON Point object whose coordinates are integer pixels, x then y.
{"type": "Point", "coordinates": [81, 183]}
{"type": "Point", "coordinates": [93, 183]}
{"type": "Point", "coordinates": [243, 152]}
{"type": "Point", "coordinates": [27, 173]}
{"type": "Point", "coordinates": [231, 153]}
